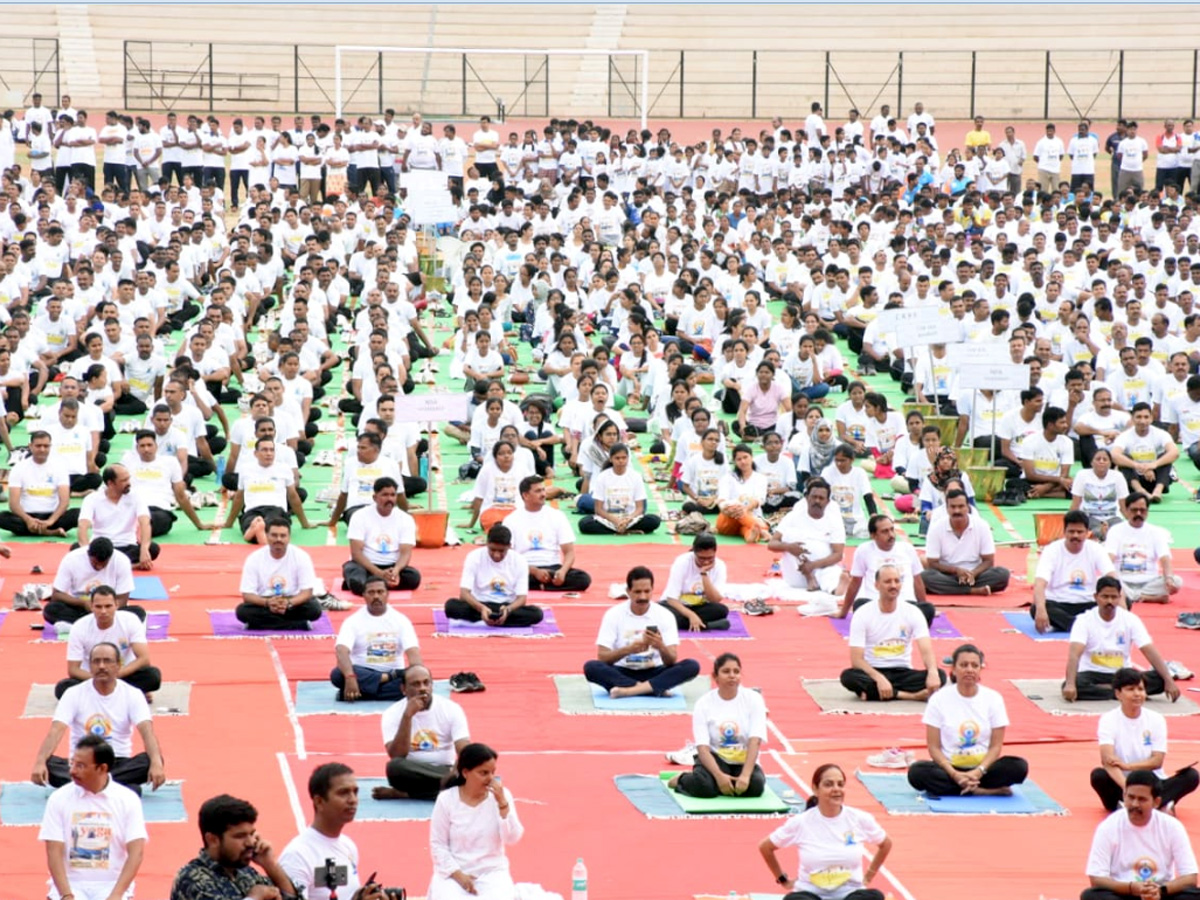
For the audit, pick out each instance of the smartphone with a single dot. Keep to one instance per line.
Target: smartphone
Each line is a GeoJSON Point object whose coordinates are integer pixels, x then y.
{"type": "Point", "coordinates": [652, 629]}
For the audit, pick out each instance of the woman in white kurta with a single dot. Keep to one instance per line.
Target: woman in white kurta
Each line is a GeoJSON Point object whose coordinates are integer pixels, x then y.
{"type": "Point", "coordinates": [474, 819]}
{"type": "Point", "coordinates": [831, 839]}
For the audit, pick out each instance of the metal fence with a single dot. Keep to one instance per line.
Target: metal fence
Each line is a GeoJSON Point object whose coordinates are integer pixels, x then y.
{"type": "Point", "coordinates": [955, 84]}
{"type": "Point", "coordinates": [28, 65]}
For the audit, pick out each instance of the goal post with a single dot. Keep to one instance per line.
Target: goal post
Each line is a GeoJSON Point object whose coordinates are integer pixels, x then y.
{"type": "Point", "coordinates": [642, 55]}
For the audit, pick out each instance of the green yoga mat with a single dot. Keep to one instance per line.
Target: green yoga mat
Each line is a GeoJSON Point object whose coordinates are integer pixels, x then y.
{"type": "Point", "coordinates": [768, 802]}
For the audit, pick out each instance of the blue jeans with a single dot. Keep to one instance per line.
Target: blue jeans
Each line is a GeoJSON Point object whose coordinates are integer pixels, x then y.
{"type": "Point", "coordinates": [368, 683]}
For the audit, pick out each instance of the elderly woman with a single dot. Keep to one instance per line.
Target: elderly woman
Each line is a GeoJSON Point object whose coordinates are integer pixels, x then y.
{"type": "Point", "coordinates": [831, 839]}
{"type": "Point", "coordinates": [729, 725]}
{"type": "Point", "coordinates": [473, 821]}
{"type": "Point", "coordinates": [964, 730]}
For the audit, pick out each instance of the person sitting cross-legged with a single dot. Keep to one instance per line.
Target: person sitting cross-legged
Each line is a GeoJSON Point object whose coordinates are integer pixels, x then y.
{"type": "Point", "coordinates": [882, 633]}
{"type": "Point", "coordinates": [382, 537]}
{"type": "Point", "coordinates": [495, 585]}
{"type": "Point", "coordinates": [694, 587]}
{"type": "Point", "coordinates": [1101, 643]}
{"type": "Point", "coordinates": [1141, 553]}
{"type": "Point", "coordinates": [106, 622]}
{"type": "Point", "coordinates": [123, 517]}
{"type": "Point", "coordinates": [637, 648]}
{"type": "Point", "coordinates": [277, 584]}
{"type": "Point", "coordinates": [80, 572]}
{"type": "Point", "coordinates": [960, 553]}
{"type": "Point", "coordinates": [372, 644]}
{"type": "Point", "coordinates": [542, 535]}
{"type": "Point", "coordinates": [423, 735]}
{"type": "Point", "coordinates": [1067, 573]}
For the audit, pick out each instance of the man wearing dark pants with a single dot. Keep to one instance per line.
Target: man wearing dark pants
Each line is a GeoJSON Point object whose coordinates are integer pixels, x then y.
{"type": "Point", "coordinates": [960, 553]}
{"type": "Point", "coordinates": [694, 588]}
{"type": "Point", "coordinates": [494, 586]}
{"type": "Point", "coordinates": [83, 705]}
{"type": "Point", "coordinates": [881, 637]}
{"type": "Point", "coordinates": [372, 647]}
{"type": "Point", "coordinates": [277, 584]}
{"type": "Point", "coordinates": [106, 623]}
{"type": "Point", "coordinates": [1067, 573]}
{"type": "Point", "coordinates": [79, 572]}
{"type": "Point", "coordinates": [637, 648]}
{"type": "Point", "coordinates": [381, 538]}
{"type": "Point", "coordinates": [422, 735]}
{"type": "Point", "coordinates": [543, 537]}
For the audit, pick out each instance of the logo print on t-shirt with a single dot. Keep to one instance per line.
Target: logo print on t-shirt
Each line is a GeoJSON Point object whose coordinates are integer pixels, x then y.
{"type": "Point", "coordinates": [425, 740]}
{"type": "Point", "coordinates": [98, 724]}
{"type": "Point", "coordinates": [1145, 868]}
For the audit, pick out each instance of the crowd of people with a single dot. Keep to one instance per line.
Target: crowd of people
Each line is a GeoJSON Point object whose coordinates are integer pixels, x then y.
{"type": "Point", "coordinates": [722, 311]}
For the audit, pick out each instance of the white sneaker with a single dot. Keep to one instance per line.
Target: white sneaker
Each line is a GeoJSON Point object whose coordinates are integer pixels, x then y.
{"type": "Point", "coordinates": [683, 757]}
{"type": "Point", "coordinates": [19, 601]}
{"type": "Point", "coordinates": [892, 758]}
{"type": "Point", "coordinates": [334, 604]}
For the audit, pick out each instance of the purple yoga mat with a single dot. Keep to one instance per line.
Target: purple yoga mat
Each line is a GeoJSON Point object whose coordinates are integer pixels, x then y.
{"type": "Point", "coordinates": [156, 627]}
{"type": "Point", "coordinates": [942, 627]}
{"type": "Point", "coordinates": [225, 624]}
{"type": "Point", "coordinates": [736, 630]}
{"type": "Point", "coordinates": [443, 627]}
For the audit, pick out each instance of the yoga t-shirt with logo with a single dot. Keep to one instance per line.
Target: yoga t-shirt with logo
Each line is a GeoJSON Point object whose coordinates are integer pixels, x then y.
{"type": "Point", "coordinates": [1137, 550]}
{"type": "Point", "coordinates": [1107, 645]}
{"type": "Point", "coordinates": [287, 576]}
{"type": "Point", "coordinates": [377, 642]}
{"type": "Point", "coordinates": [382, 537]}
{"type": "Point", "coordinates": [125, 631]}
{"type": "Point", "coordinates": [539, 536]}
{"type": "Point", "coordinates": [685, 584]}
{"type": "Point", "coordinates": [726, 726]}
{"type": "Point", "coordinates": [831, 849]}
{"type": "Point", "coordinates": [620, 627]}
{"type": "Point", "coordinates": [817, 535]}
{"type": "Point", "coordinates": [1071, 577]}
{"type": "Point", "coordinates": [886, 638]}
{"type": "Point", "coordinates": [94, 830]}
{"type": "Point", "coordinates": [1134, 740]}
{"type": "Point", "coordinates": [432, 733]}
{"type": "Point", "coordinates": [495, 582]}
{"type": "Point", "coordinates": [966, 723]}
{"type": "Point", "coordinates": [869, 559]}
{"type": "Point", "coordinates": [1158, 851]}
{"type": "Point", "coordinates": [84, 710]}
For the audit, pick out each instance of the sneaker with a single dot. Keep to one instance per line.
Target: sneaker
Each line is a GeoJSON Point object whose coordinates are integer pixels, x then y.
{"type": "Point", "coordinates": [330, 603]}
{"type": "Point", "coordinates": [475, 684]}
{"type": "Point", "coordinates": [757, 607]}
{"type": "Point", "coordinates": [685, 756]}
{"type": "Point", "coordinates": [892, 758]}
{"type": "Point", "coordinates": [19, 601]}
{"type": "Point", "coordinates": [1185, 620]}
{"type": "Point", "coordinates": [32, 602]}
{"type": "Point", "coordinates": [460, 684]}
{"type": "Point", "coordinates": [1179, 671]}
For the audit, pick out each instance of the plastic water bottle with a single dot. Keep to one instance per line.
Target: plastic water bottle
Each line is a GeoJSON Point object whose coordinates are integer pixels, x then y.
{"type": "Point", "coordinates": [220, 470]}
{"type": "Point", "coordinates": [579, 881]}
{"type": "Point", "coordinates": [1031, 563]}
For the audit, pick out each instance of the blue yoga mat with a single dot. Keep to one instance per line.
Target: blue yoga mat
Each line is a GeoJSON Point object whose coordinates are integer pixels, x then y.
{"type": "Point", "coordinates": [1023, 622]}
{"type": "Point", "coordinates": [651, 797]}
{"type": "Point", "coordinates": [372, 810]}
{"type": "Point", "coordinates": [601, 700]}
{"type": "Point", "coordinates": [315, 698]}
{"type": "Point", "coordinates": [898, 798]}
{"type": "Point", "coordinates": [23, 803]}
{"type": "Point", "coordinates": [148, 587]}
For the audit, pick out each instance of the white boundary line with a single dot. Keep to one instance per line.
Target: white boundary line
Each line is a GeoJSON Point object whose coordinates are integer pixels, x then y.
{"type": "Point", "coordinates": [281, 677]}
{"type": "Point", "coordinates": [289, 784]}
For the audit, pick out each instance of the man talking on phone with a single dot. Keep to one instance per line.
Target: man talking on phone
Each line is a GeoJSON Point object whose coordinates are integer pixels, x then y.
{"type": "Point", "coordinates": [321, 861]}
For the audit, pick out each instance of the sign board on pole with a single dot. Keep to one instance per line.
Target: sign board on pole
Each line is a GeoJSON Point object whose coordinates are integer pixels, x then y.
{"type": "Point", "coordinates": [432, 407]}
{"type": "Point", "coordinates": [429, 201]}
{"type": "Point", "coordinates": [993, 376]}
{"type": "Point", "coordinates": [974, 352]}
{"type": "Point", "coordinates": [923, 325]}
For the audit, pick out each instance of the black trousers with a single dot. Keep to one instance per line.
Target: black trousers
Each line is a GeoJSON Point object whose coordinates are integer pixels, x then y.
{"type": "Point", "coordinates": [1174, 787]}
{"type": "Point", "coordinates": [1099, 685]}
{"type": "Point", "coordinates": [523, 617]}
{"type": "Point", "coordinates": [1062, 615]}
{"type": "Point", "coordinates": [912, 681]}
{"type": "Point", "coordinates": [14, 524]}
{"type": "Point", "coordinates": [131, 771]}
{"type": "Point", "coordinates": [259, 618]}
{"type": "Point", "coordinates": [860, 894]}
{"type": "Point", "coordinates": [238, 177]}
{"type": "Point", "coordinates": [60, 611]}
{"type": "Point", "coordinates": [700, 782]}
{"type": "Point", "coordinates": [714, 615]}
{"type": "Point", "coordinates": [1102, 894]}
{"type": "Point", "coordinates": [931, 778]}
{"type": "Point", "coordinates": [575, 581]}
{"type": "Point", "coordinates": [354, 578]}
{"type": "Point", "coordinates": [147, 680]}
{"type": "Point", "coordinates": [86, 481]}
{"type": "Point", "coordinates": [161, 521]}
{"type": "Point", "coordinates": [947, 585]}
{"type": "Point", "coordinates": [419, 780]}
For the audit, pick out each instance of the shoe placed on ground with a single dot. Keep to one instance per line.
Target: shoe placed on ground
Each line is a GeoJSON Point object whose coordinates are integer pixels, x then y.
{"type": "Point", "coordinates": [460, 684]}
{"type": "Point", "coordinates": [757, 607]}
{"type": "Point", "coordinates": [1183, 620]}
{"type": "Point", "coordinates": [19, 601]}
{"type": "Point", "coordinates": [32, 602]}
{"type": "Point", "coordinates": [63, 630]}
{"type": "Point", "coordinates": [476, 684]}
{"type": "Point", "coordinates": [1179, 671]}
{"type": "Point", "coordinates": [685, 756]}
{"type": "Point", "coordinates": [892, 758]}
{"type": "Point", "coordinates": [330, 603]}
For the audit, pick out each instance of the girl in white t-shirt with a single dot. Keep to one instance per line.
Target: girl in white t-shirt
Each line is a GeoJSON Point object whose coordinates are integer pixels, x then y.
{"type": "Point", "coordinates": [964, 731]}
{"type": "Point", "coordinates": [700, 478]}
{"type": "Point", "coordinates": [850, 490]}
{"type": "Point", "coordinates": [830, 838]}
{"type": "Point", "coordinates": [884, 429]}
{"type": "Point", "coordinates": [619, 495]}
{"type": "Point", "coordinates": [496, 492]}
{"type": "Point", "coordinates": [740, 498]}
{"type": "Point", "coordinates": [1100, 492]}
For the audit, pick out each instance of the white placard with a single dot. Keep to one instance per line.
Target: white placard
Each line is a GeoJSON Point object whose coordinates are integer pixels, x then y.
{"type": "Point", "coordinates": [923, 325]}
{"type": "Point", "coordinates": [973, 351]}
{"type": "Point", "coordinates": [428, 201]}
{"type": "Point", "coordinates": [432, 407]}
{"type": "Point", "coordinates": [993, 376]}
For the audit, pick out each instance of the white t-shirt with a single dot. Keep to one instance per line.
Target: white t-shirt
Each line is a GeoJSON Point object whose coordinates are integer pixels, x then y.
{"type": "Point", "coordinates": [495, 582]}
{"type": "Point", "coordinates": [84, 710]}
{"type": "Point", "coordinates": [433, 732]}
{"type": "Point", "coordinates": [95, 831]}
{"type": "Point", "coordinates": [267, 576]}
{"type": "Point", "coordinates": [1136, 551]}
{"type": "Point", "coordinates": [308, 851]}
{"type": "Point", "coordinates": [620, 627]}
{"type": "Point", "coordinates": [1071, 577]}
{"type": "Point", "coordinates": [125, 631]}
{"type": "Point", "coordinates": [966, 723]}
{"type": "Point", "coordinates": [1158, 851]}
{"type": "Point", "coordinates": [76, 576]}
{"type": "Point", "coordinates": [539, 537]}
{"type": "Point", "coordinates": [116, 521]}
{"type": "Point", "coordinates": [1134, 740]}
{"type": "Point", "coordinates": [39, 484]}
{"type": "Point", "coordinates": [358, 479]}
{"type": "Point", "coordinates": [831, 849]}
{"type": "Point", "coordinates": [869, 559]}
{"type": "Point", "coordinates": [618, 494]}
{"type": "Point", "coordinates": [264, 485]}
{"type": "Point", "coordinates": [966, 551]}
{"type": "Point", "coordinates": [887, 638]}
{"type": "Point", "coordinates": [685, 584]}
{"type": "Point", "coordinates": [1048, 457]}
{"type": "Point", "coordinates": [846, 493]}
{"type": "Point", "coordinates": [726, 726]}
{"type": "Point", "coordinates": [382, 537]}
{"type": "Point", "coordinates": [817, 535]}
{"type": "Point", "coordinates": [1101, 497]}
{"type": "Point", "coordinates": [1108, 646]}
{"type": "Point", "coordinates": [377, 642]}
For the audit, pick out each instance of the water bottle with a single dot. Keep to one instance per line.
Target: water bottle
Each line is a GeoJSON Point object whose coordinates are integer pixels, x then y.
{"type": "Point", "coordinates": [220, 470]}
{"type": "Point", "coordinates": [579, 880]}
{"type": "Point", "coordinates": [1031, 563]}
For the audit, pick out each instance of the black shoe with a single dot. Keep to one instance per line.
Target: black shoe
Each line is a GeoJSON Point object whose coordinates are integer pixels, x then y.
{"type": "Point", "coordinates": [475, 685]}
{"type": "Point", "coordinates": [460, 683]}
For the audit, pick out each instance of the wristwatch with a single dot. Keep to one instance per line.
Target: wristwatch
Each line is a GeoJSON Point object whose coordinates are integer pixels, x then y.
{"type": "Point", "coordinates": [782, 879]}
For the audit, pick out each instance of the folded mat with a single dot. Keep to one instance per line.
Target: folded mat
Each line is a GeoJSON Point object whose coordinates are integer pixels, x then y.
{"type": "Point", "coordinates": [23, 803]}
{"type": "Point", "coordinates": [1023, 622]}
{"type": "Point", "coordinates": [173, 698]}
{"type": "Point", "coordinates": [833, 698]}
{"type": "Point", "coordinates": [226, 625]}
{"type": "Point", "coordinates": [1046, 693]}
{"type": "Point", "coordinates": [652, 797]}
{"type": "Point", "coordinates": [577, 696]}
{"type": "Point", "coordinates": [314, 698]}
{"type": "Point", "coordinates": [899, 799]}
{"type": "Point", "coordinates": [447, 627]}
{"type": "Point", "coordinates": [148, 587]}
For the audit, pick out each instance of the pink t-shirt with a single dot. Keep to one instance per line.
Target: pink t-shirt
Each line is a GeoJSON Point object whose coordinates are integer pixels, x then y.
{"type": "Point", "coordinates": [764, 405]}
